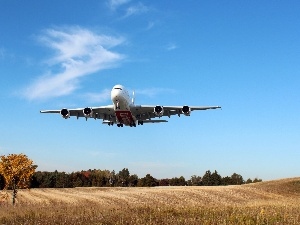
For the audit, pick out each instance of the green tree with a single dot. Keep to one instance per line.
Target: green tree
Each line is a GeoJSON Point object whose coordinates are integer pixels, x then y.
{"type": "Point", "coordinates": [43, 180]}
{"type": "Point", "coordinates": [133, 180]}
{"type": "Point", "coordinates": [206, 179]}
{"type": "Point", "coordinates": [123, 177]}
{"type": "Point", "coordinates": [257, 180]}
{"type": "Point", "coordinates": [75, 179]}
{"type": "Point", "coordinates": [226, 180]}
{"type": "Point", "coordinates": [216, 179]}
{"type": "Point", "coordinates": [147, 181]}
{"type": "Point", "coordinates": [112, 178]}
{"type": "Point", "coordinates": [62, 180]}
{"type": "Point", "coordinates": [195, 181]}
{"type": "Point", "coordinates": [164, 182]}
{"type": "Point", "coordinates": [96, 178]}
{"type": "Point", "coordinates": [237, 179]}
{"type": "Point", "coordinates": [249, 181]}
{"type": "Point", "coordinates": [175, 181]}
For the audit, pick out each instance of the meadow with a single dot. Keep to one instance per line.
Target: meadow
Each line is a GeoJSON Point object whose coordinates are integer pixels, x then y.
{"type": "Point", "coordinates": [271, 202]}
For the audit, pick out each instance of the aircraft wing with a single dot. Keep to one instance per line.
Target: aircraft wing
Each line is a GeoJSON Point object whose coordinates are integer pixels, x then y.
{"type": "Point", "coordinates": [146, 112]}
{"type": "Point", "coordinates": [102, 112]}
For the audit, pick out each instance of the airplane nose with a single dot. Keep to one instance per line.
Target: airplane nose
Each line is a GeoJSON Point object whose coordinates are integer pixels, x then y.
{"type": "Point", "coordinates": [115, 94]}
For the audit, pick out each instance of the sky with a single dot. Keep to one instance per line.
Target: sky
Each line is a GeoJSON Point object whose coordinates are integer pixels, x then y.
{"type": "Point", "coordinates": [241, 55]}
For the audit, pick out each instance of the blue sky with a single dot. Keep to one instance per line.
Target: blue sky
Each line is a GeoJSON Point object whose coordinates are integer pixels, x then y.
{"type": "Point", "coordinates": [243, 56]}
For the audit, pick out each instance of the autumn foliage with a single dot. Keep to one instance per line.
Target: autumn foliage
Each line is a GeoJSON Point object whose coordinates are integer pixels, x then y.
{"type": "Point", "coordinates": [17, 169]}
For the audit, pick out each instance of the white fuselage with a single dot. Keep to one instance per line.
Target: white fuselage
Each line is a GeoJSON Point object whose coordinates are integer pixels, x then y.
{"type": "Point", "coordinates": [121, 100]}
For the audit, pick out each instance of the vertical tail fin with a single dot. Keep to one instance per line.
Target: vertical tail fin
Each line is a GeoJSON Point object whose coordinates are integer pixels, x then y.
{"type": "Point", "coordinates": [133, 98]}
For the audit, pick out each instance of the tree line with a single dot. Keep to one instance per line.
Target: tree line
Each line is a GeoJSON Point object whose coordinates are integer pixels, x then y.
{"type": "Point", "coordinates": [106, 178]}
{"type": "Point", "coordinates": [18, 171]}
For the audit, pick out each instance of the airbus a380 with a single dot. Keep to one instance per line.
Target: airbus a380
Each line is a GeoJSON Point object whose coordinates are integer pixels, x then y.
{"type": "Point", "coordinates": [125, 112]}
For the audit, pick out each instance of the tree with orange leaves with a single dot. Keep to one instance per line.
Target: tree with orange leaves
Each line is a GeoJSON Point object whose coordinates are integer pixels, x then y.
{"type": "Point", "coordinates": [17, 170]}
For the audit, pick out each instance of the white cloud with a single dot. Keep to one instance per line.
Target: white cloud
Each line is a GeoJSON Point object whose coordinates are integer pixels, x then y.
{"type": "Point", "coordinates": [79, 52]}
{"type": "Point", "coordinates": [130, 9]}
{"type": "Point", "coordinates": [4, 54]}
{"type": "Point", "coordinates": [150, 25]}
{"type": "Point", "coordinates": [136, 10]}
{"type": "Point", "coordinates": [113, 4]}
{"type": "Point", "coordinates": [171, 46]}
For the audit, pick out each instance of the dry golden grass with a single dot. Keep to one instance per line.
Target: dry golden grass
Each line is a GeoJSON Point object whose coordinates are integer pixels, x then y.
{"type": "Point", "coordinates": [273, 202]}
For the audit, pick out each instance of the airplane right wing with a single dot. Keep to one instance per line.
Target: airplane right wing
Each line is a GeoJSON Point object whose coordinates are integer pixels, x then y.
{"type": "Point", "coordinates": [147, 112]}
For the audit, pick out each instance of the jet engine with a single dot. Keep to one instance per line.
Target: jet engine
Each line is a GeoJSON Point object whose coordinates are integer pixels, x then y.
{"type": "Point", "coordinates": [186, 110]}
{"type": "Point", "coordinates": [65, 113]}
{"type": "Point", "coordinates": [87, 112]}
{"type": "Point", "coordinates": [159, 110]}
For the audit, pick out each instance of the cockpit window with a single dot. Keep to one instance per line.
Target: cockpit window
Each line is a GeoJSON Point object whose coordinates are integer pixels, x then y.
{"type": "Point", "coordinates": [118, 88]}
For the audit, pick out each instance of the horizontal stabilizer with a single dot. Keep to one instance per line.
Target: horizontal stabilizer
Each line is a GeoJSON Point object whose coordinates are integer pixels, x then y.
{"type": "Point", "coordinates": [106, 122]}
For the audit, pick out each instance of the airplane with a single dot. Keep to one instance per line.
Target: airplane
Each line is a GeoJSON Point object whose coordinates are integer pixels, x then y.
{"type": "Point", "coordinates": [125, 112]}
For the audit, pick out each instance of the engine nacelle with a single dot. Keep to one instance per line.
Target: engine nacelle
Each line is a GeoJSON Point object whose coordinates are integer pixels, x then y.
{"type": "Point", "coordinates": [65, 113]}
{"type": "Point", "coordinates": [87, 112]}
{"type": "Point", "coordinates": [159, 110]}
{"type": "Point", "coordinates": [186, 110]}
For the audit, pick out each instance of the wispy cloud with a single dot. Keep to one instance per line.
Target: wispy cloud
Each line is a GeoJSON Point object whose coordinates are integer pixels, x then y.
{"type": "Point", "coordinates": [4, 54]}
{"type": "Point", "coordinates": [136, 10]}
{"type": "Point", "coordinates": [79, 52]}
{"type": "Point", "coordinates": [171, 46]}
{"type": "Point", "coordinates": [113, 4]}
{"type": "Point", "coordinates": [127, 7]}
{"type": "Point", "coordinates": [150, 25]}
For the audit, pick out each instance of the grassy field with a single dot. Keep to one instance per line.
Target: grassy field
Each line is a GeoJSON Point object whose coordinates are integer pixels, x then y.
{"type": "Point", "coordinates": [272, 202]}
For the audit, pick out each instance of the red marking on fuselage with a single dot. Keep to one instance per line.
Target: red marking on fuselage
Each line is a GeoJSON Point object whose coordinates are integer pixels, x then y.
{"type": "Point", "coordinates": [124, 117]}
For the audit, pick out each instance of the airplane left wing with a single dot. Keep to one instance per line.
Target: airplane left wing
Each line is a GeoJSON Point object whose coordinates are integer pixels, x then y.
{"type": "Point", "coordinates": [102, 112]}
